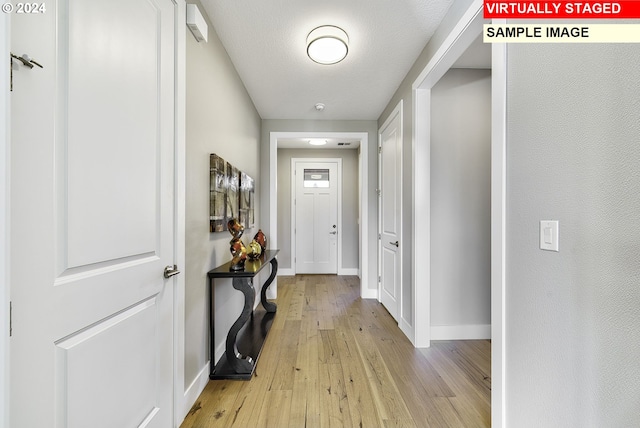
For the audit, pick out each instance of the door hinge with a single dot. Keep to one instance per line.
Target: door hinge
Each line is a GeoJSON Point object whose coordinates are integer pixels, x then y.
{"type": "Point", "coordinates": [379, 149]}
{"type": "Point", "coordinates": [379, 279]}
{"type": "Point", "coordinates": [10, 319]}
{"type": "Point", "coordinates": [379, 237]}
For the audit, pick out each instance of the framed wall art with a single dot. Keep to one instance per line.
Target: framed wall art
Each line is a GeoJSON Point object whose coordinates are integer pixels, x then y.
{"type": "Point", "coordinates": [247, 195]}
{"type": "Point", "coordinates": [231, 195]}
{"type": "Point", "coordinates": [217, 194]}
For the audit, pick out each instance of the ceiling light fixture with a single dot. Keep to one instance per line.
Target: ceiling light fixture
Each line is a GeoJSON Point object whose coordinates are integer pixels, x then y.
{"type": "Point", "coordinates": [327, 44]}
{"type": "Point", "coordinates": [319, 106]}
{"type": "Point", "coordinates": [317, 142]}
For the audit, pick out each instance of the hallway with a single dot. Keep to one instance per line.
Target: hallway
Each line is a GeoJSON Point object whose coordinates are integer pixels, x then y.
{"type": "Point", "coordinates": [333, 359]}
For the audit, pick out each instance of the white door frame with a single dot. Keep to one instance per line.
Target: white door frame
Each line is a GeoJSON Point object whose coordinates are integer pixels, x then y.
{"type": "Point", "coordinates": [405, 325]}
{"type": "Point", "coordinates": [293, 188]}
{"type": "Point", "coordinates": [180, 400]}
{"type": "Point", "coordinates": [363, 174]}
{"type": "Point", "coordinates": [498, 232]}
{"type": "Point", "coordinates": [463, 34]}
{"type": "Point", "coordinates": [5, 165]}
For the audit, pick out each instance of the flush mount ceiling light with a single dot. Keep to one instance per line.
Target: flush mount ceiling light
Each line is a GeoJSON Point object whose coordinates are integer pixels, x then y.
{"type": "Point", "coordinates": [327, 44]}
{"type": "Point", "coordinates": [317, 142]}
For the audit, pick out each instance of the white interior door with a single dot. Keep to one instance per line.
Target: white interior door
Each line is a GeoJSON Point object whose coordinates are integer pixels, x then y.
{"type": "Point", "coordinates": [92, 215]}
{"type": "Point", "coordinates": [316, 217]}
{"type": "Point", "coordinates": [390, 213]}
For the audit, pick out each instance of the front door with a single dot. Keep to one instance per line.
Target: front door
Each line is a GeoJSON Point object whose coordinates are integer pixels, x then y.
{"type": "Point", "coordinates": [92, 215]}
{"type": "Point", "coordinates": [316, 217]}
{"type": "Point", "coordinates": [390, 213]}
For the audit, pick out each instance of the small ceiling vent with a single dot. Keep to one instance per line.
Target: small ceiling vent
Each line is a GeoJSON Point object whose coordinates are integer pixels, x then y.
{"type": "Point", "coordinates": [344, 144]}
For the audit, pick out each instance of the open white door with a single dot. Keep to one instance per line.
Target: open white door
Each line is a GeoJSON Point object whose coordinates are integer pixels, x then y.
{"type": "Point", "coordinates": [316, 217]}
{"type": "Point", "coordinates": [391, 212]}
{"type": "Point", "coordinates": [92, 215]}
{"type": "Point", "coordinates": [4, 223]}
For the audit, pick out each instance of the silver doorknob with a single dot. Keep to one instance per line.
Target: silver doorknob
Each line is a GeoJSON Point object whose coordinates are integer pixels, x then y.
{"type": "Point", "coordinates": [395, 243]}
{"type": "Point", "coordinates": [170, 271]}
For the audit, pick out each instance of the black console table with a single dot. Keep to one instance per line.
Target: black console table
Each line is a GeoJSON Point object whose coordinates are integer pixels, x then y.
{"type": "Point", "coordinates": [249, 340]}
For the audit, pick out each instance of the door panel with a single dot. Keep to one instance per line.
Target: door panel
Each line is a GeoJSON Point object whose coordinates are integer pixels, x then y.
{"type": "Point", "coordinates": [92, 215]}
{"type": "Point", "coordinates": [390, 214]}
{"type": "Point", "coordinates": [123, 348]}
{"type": "Point", "coordinates": [389, 261]}
{"type": "Point", "coordinates": [111, 65]}
{"type": "Point", "coordinates": [316, 217]}
{"type": "Point", "coordinates": [323, 220]}
{"type": "Point", "coordinates": [305, 222]}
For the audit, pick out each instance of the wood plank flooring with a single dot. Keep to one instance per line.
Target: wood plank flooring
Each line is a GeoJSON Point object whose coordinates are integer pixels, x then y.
{"type": "Point", "coordinates": [334, 360]}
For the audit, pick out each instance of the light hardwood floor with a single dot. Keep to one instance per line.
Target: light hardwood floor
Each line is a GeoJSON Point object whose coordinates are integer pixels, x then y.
{"type": "Point", "coordinates": [334, 360]}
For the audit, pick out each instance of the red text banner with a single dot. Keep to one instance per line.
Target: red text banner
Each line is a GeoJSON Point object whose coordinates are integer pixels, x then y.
{"type": "Point", "coordinates": [626, 9]}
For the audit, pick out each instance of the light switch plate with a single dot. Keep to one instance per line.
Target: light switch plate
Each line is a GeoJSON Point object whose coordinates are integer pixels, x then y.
{"type": "Point", "coordinates": [549, 235]}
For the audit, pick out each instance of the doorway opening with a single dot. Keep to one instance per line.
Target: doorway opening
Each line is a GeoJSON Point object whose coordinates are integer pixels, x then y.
{"type": "Point", "coordinates": [461, 37]}
{"type": "Point", "coordinates": [460, 198]}
{"type": "Point", "coordinates": [280, 140]}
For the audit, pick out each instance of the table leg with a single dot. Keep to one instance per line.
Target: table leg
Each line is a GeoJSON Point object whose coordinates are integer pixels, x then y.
{"type": "Point", "coordinates": [212, 346]}
{"type": "Point", "coordinates": [269, 306]}
{"type": "Point", "coordinates": [240, 363]}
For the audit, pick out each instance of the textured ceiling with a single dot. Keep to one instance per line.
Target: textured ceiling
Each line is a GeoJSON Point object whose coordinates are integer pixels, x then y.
{"type": "Point", "coordinates": [266, 42]}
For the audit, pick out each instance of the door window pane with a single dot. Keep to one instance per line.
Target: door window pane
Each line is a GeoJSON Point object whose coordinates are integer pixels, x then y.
{"type": "Point", "coordinates": [316, 178]}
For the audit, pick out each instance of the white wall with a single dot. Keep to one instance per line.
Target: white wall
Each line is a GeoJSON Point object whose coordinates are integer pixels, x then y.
{"type": "Point", "coordinates": [573, 155]}
{"type": "Point", "coordinates": [461, 202]}
{"type": "Point", "coordinates": [221, 119]}
{"type": "Point", "coordinates": [349, 231]}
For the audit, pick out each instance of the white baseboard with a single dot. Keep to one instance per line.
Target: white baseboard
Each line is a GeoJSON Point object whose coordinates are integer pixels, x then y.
{"type": "Point", "coordinates": [342, 271]}
{"type": "Point", "coordinates": [370, 293]}
{"type": "Point", "coordinates": [194, 390]}
{"type": "Point", "coordinates": [349, 271]}
{"type": "Point", "coordinates": [461, 332]}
